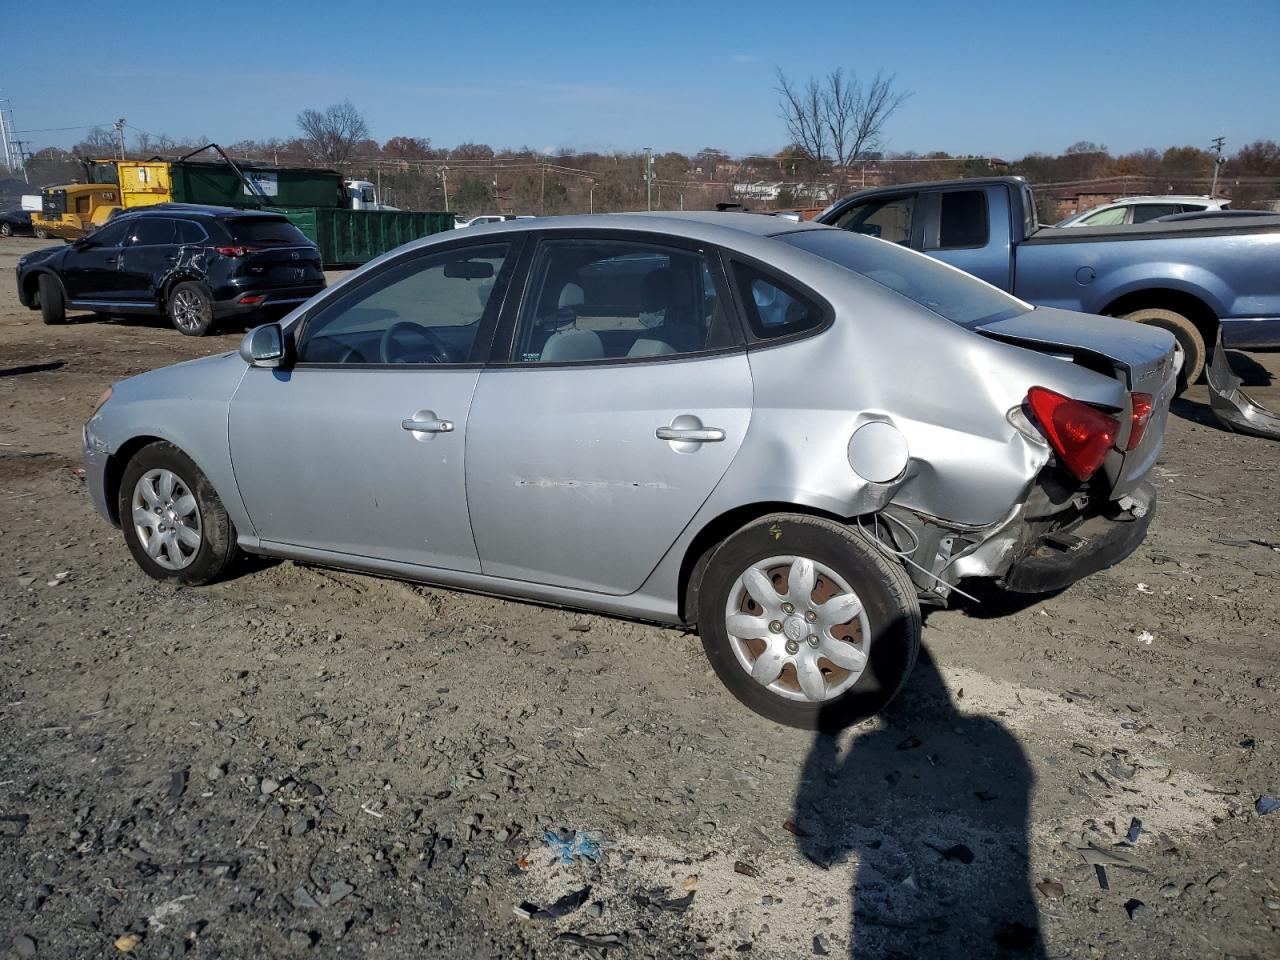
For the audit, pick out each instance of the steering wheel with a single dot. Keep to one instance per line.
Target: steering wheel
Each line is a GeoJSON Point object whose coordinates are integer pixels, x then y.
{"type": "Point", "coordinates": [435, 352]}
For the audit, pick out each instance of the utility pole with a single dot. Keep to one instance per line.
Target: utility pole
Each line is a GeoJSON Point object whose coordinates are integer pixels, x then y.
{"type": "Point", "coordinates": [1217, 163]}
{"type": "Point", "coordinates": [444, 176]}
{"type": "Point", "coordinates": [120, 136]}
{"type": "Point", "coordinates": [591, 198]}
{"type": "Point", "coordinates": [648, 177]}
{"type": "Point", "coordinates": [542, 191]}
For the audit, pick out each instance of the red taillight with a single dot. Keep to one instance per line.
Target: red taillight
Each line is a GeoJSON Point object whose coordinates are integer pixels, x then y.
{"type": "Point", "coordinates": [251, 298]}
{"type": "Point", "coordinates": [1080, 434]}
{"type": "Point", "coordinates": [1142, 407]}
{"type": "Point", "coordinates": [237, 251]}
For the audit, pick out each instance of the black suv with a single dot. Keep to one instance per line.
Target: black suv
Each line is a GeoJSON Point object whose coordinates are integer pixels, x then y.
{"type": "Point", "coordinates": [192, 264]}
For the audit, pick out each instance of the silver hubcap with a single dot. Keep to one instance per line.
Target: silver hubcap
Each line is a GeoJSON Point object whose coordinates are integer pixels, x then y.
{"type": "Point", "coordinates": [798, 628]}
{"type": "Point", "coordinates": [166, 518]}
{"type": "Point", "coordinates": [187, 310]}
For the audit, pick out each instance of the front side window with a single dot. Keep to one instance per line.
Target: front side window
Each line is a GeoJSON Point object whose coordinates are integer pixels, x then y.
{"type": "Point", "coordinates": [612, 300]}
{"type": "Point", "coordinates": [111, 235]}
{"type": "Point", "coordinates": [151, 232]}
{"type": "Point", "coordinates": [963, 220]}
{"type": "Point", "coordinates": [1112, 216]}
{"type": "Point", "coordinates": [888, 219]}
{"type": "Point", "coordinates": [423, 310]}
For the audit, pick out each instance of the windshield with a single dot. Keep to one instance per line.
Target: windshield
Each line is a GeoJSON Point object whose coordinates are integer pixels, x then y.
{"type": "Point", "coordinates": [267, 230]}
{"type": "Point", "coordinates": [958, 297]}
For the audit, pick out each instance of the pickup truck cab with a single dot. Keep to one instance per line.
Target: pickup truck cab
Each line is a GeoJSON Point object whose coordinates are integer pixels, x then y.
{"type": "Point", "coordinates": [1193, 278]}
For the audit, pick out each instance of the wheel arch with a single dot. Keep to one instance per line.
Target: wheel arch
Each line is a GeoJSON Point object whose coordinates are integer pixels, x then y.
{"type": "Point", "coordinates": [31, 285]}
{"type": "Point", "coordinates": [183, 276]}
{"type": "Point", "coordinates": [714, 531]}
{"type": "Point", "coordinates": [116, 464]}
{"type": "Point", "coordinates": [1195, 308]}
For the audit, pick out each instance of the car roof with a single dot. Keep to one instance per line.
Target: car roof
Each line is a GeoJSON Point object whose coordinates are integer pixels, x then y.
{"type": "Point", "coordinates": [197, 210]}
{"type": "Point", "coordinates": [1164, 198]}
{"type": "Point", "coordinates": [692, 224]}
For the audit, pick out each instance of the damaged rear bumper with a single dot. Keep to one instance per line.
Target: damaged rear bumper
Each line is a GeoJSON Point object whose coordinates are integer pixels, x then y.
{"type": "Point", "coordinates": [1059, 559]}
{"type": "Point", "coordinates": [1231, 405]}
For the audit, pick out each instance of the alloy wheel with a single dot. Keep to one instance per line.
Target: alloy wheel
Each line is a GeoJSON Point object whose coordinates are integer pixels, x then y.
{"type": "Point", "coordinates": [187, 310]}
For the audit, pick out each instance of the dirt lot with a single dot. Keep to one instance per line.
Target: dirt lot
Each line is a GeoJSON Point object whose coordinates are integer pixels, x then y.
{"type": "Point", "coordinates": [306, 762]}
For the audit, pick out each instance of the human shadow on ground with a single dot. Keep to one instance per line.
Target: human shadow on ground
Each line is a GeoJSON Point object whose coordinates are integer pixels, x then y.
{"type": "Point", "coordinates": [932, 805]}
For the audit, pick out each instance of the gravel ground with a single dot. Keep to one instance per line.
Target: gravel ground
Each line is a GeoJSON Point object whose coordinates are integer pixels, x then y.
{"type": "Point", "coordinates": [300, 761]}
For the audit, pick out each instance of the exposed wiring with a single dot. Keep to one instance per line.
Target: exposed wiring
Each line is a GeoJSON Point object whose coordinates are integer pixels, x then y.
{"type": "Point", "coordinates": [905, 555]}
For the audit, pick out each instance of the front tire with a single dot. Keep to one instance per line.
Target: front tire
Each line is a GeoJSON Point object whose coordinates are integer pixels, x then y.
{"type": "Point", "coordinates": [41, 233]}
{"type": "Point", "coordinates": [191, 308]}
{"type": "Point", "coordinates": [53, 307]}
{"type": "Point", "coordinates": [807, 622]}
{"type": "Point", "coordinates": [1190, 342]}
{"type": "Point", "coordinates": [6, 230]}
{"type": "Point", "coordinates": [173, 521]}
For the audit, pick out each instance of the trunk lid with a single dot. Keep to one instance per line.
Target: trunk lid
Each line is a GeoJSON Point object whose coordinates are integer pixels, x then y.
{"type": "Point", "coordinates": [284, 266]}
{"type": "Point", "coordinates": [1140, 357]}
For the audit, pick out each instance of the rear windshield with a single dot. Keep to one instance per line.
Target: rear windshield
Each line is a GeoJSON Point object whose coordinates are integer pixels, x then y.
{"type": "Point", "coordinates": [949, 293]}
{"type": "Point", "coordinates": [261, 231]}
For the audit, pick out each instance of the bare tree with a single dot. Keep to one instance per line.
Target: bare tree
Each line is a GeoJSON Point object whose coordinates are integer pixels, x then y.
{"type": "Point", "coordinates": [837, 117]}
{"type": "Point", "coordinates": [331, 135]}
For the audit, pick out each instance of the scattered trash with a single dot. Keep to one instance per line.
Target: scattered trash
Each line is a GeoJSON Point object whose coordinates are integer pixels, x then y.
{"type": "Point", "coordinates": [1136, 909]}
{"type": "Point", "coordinates": [1143, 588]}
{"type": "Point", "coordinates": [560, 908]}
{"type": "Point", "coordinates": [126, 943]}
{"type": "Point", "coordinates": [1101, 871]}
{"type": "Point", "coordinates": [1146, 636]}
{"type": "Point", "coordinates": [1051, 889]}
{"type": "Point", "coordinates": [581, 844]}
{"type": "Point", "coordinates": [1135, 830]}
{"type": "Point", "coordinates": [689, 882]}
{"type": "Point", "coordinates": [1266, 804]}
{"type": "Point", "coordinates": [1112, 857]}
{"type": "Point", "coordinates": [791, 828]}
{"type": "Point", "coordinates": [820, 946]}
{"type": "Point", "coordinates": [676, 905]}
{"type": "Point", "coordinates": [746, 869]}
{"type": "Point", "coordinates": [958, 853]}
{"type": "Point", "coordinates": [605, 941]}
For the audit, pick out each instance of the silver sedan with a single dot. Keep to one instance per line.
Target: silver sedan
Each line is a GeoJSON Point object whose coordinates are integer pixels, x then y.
{"type": "Point", "coordinates": [785, 434]}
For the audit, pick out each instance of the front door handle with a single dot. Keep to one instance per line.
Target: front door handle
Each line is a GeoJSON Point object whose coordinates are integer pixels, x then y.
{"type": "Point", "coordinates": [427, 426]}
{"type": "Point", "coordinates": [690, 434]}
{"type": "Point", "coordinates": [111, 259]}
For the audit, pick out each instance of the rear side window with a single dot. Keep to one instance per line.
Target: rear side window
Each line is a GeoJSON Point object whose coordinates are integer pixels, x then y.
{"type": "Point", "coordinates": [1143, 212]}
{"type": "Point", "coordinates": [152, 232]}
{"type": "Point", "coordinates": [267, 231]}
{"type": "Point", "coordinates": [963, 220]}
{"type": "Point", "coordinates": [189, 232]}
{"type": "Point", "coordinates": [774, 308]}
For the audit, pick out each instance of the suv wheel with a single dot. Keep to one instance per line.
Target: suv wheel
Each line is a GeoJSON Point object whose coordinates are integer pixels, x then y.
{"type": "Point", "coordinates": [53, 307]}
{"type": "Point", "coordinates": [807, 623]}
{"type": "Point", "coordinates": [173, 521]}
{"type": "Point", "coordinates": [191, 308]}
{"type": "Point", "coordinates": [6, 230]}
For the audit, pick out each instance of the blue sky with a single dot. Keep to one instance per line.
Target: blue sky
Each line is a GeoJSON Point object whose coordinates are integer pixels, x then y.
{"type": "Point", "coordinates": [998, 78]}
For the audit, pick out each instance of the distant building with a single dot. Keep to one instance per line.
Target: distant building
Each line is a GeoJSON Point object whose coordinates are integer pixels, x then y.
{"type": "Point", "coordinates": [758, 190]}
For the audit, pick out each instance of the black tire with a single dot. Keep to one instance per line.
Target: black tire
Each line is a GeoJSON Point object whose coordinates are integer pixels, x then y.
{"type": "Point", "coordinates": [1187, 335]}
{"type": "Point", "coordinates": [6, 230]}
{"type": "Point", "coordinates": [190, 308]}
{"type": "Point", "coordinates": [53, 307]}
{"type": "Point", "coordinates": [41, 233]}
{"type": "Point", "coordinates": [886, 592]}
{"type": "Point", "coordinates": [217, 549]}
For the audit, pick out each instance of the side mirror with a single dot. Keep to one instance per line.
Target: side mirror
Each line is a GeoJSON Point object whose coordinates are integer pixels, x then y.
{"type": "Point", "coordinates": [263, 346]}
{"type": "Point", "coordinates": [81, 243]}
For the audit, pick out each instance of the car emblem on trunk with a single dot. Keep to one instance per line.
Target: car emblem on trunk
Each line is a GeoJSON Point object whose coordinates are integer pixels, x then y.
{"type": "Point", "coordinates": [293, 256]}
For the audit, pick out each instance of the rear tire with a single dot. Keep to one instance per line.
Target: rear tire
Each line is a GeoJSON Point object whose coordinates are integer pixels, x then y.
{"type": "Point", "coordinates": [41, 233]}
{"type": "Point", "coordinates": [190, 308]}
{"type": "Point", "coordinates": [173, 521]}
{"type": "Point", "coordinates": [53, 307]}
{"type": "Point", "coordinates": [1188, 336]}
{"type": "Point", "coordinates": [878, 644]}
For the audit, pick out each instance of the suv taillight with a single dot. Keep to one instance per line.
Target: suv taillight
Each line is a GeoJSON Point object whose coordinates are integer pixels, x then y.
{"type": "Point", "coordinates": [1142, 407]}
{"type": "Point", "coordinates": [1079, 434]}
{"type": "Point", "coordinates": [237, 251]}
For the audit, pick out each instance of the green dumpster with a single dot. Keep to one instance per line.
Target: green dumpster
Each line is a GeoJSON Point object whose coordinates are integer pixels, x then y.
{"type": "Point", "coordinates": [353, 237]}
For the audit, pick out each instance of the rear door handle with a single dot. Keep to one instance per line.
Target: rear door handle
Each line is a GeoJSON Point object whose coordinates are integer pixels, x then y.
{"type": "Point", "coordinates": [111, 259]}
{"type": "Point", "coordinates": [427, 426]}
{"type": "Point", "coordinates": [690, 434]}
